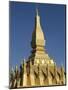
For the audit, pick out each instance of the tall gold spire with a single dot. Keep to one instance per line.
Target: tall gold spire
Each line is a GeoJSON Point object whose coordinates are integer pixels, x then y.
{"type": "Point", "coordinates": [37, 36]}
{"type": "Point", "coordinates": [38, 54]}
{"type": "Point", "coordinates": [38, 41]}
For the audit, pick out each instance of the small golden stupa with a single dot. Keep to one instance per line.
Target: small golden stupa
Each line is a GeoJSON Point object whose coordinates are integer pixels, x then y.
{"type": "Point", "coordinates": [39, 69]}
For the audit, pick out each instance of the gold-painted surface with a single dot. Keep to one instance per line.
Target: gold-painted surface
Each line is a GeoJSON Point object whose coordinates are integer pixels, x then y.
{"type": "Point", "coordinates": [40, 69]}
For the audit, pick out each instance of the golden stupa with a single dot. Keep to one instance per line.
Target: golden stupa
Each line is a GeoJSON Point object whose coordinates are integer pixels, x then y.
{"type": "Point", "coordinates": [39, 69]}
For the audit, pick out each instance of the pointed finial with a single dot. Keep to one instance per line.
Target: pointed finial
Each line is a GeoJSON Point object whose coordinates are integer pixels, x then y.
{"type": "Point", "coordinates": [37, 11]}
{"type": "Point", "coordinates": [16, 68]}
{"type": "Point", "coordinates": [62, 66]}
{"type": "Point", "coordinates": [12, 70]}
{"type": "Point", "coordinates": [21, 62]}
{"type": "Point", "coordinates": [21, 65]}
{"type": "Point", "coordinates": [54, 63]}
{"type": "Point", "coordinates": [24, 61]}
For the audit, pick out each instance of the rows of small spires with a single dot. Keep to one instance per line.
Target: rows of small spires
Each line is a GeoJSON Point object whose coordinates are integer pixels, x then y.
{"type": "Point", "coordinates": [16, 75]}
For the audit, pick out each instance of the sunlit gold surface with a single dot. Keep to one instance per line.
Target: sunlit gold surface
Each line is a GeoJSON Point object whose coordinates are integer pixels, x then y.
{"type": "Point", "coordinates": [40, 69]}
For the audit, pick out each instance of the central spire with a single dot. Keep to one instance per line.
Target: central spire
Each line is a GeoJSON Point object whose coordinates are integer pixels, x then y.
{"type": "Point", "coordinates": [37, 36]}
{"type": "Point", "coordinates": [38, 54]}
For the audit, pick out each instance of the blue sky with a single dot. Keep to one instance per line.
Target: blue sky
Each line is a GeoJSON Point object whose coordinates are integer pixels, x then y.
{"type": "Point", "coordinates": [21, 25]}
